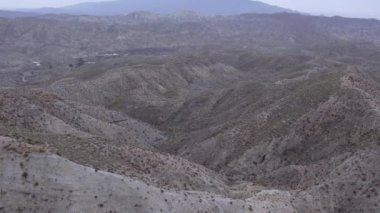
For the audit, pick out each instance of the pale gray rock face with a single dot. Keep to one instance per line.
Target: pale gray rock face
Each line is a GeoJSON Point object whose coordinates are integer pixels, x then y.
{"type": "Point", "coordinates": [48, 183]}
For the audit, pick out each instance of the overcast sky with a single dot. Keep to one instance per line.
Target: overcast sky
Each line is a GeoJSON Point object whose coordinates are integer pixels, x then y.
{"type": "Point", "coordinates": [15, 4]}
{"type": "Point", "coordinates": [350, 8]}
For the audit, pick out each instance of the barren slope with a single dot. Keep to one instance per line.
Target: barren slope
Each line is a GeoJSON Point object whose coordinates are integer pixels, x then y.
{"type": "Point", "coordinates": [261, 113]}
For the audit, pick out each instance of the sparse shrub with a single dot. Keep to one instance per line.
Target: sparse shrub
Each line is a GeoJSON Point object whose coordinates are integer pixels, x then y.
{"type": "Point", "coordinates": [25, 175]}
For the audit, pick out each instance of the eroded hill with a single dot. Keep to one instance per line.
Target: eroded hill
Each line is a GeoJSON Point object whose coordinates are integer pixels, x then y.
{"type": "Point", "coordinates": [247, 113]}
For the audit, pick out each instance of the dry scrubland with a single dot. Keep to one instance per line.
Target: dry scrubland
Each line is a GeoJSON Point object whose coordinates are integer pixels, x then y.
{"type": "Point", "coordinates": [151, 113]}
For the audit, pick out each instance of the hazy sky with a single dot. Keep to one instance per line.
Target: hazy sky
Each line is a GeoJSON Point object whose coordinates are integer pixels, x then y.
{"type": "Point", "coordinates": [351, 8]}
{"type": "Point", "coordinates": [13, 4]}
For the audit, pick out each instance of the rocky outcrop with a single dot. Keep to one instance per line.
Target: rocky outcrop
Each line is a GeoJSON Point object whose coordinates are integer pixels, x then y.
{"type": "Point", "coordinates": [41, 182]}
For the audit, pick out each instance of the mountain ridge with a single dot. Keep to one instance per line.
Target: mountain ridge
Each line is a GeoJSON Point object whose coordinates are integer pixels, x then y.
{"type": "Point", "coordinates": [208, 7]}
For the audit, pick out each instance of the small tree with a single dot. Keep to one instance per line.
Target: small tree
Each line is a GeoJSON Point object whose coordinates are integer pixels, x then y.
{"type": "Point", "coordinates": [80, 62]}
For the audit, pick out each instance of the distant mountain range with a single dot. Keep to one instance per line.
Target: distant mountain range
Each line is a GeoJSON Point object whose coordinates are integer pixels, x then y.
{"type": "Point", "coordinates": [205, 7]}
{"type": "Point", "coordinates": [15, 14]}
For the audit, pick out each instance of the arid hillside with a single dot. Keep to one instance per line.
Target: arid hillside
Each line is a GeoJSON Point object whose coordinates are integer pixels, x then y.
{"type": "Point", "coordinates": [189, 113]}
